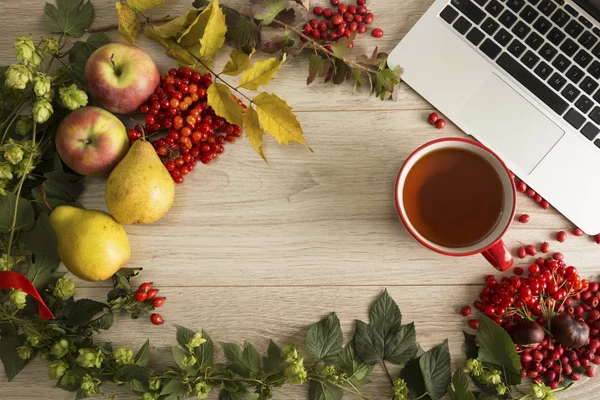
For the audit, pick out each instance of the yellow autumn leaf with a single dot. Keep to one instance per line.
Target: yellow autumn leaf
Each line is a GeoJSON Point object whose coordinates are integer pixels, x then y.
{"type": "Point", "coordinates": [142, 5]}
{"type": "Point", "coordinates": [238, 62]}
{"type": "Point", "coordinates": [222, 101]}
{"type": "Point", "coordinates": [254, 131]}
{"type": "Point", "coordinates": [129, 24]}
{"type": "Point", "coordinates": [277, 119]}
{"type": "Point", "coordinates": [261, 73]}
{"type": "Point", "coordinates": [214, 33]}
{"type": "Point", "coordinates": [192, 34]}
{"type": "Point", "coordinates": [173, 28]}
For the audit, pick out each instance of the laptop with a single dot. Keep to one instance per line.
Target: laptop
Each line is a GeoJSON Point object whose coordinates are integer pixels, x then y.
{"type": "Point", "coordinates": [523, 78]}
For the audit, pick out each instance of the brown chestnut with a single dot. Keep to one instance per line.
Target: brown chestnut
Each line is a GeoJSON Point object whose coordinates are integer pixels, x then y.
{"type": "Point", "coordinates": [528, 333]}
{"type": "Point", "coordinates": [569, 331]}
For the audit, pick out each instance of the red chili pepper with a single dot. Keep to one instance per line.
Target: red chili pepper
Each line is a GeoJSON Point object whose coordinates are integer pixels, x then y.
{"type": "Point", "coordinates": [14, 280]}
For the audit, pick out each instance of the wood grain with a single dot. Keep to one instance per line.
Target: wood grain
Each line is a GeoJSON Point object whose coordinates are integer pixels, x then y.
{"type": "Point", "coordinates": [252, 251]}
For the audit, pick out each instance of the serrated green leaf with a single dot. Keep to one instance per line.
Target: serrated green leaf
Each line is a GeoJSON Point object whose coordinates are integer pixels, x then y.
{"type": "Point", "coordinates": [174, 387]}
{"type": "Point", "coordinates": [274, 361]}
{"type": "Point", "coordinates": [41, 240]}
{"type": "Point", "coordinates": [411, 373]}
{"type": "Point", "coordinates": [244, 362]}
{"type": "Point", "coordinates": [204, 353]}
{"type": "Point", "coordinates": [128, 23]}
{"type": "Point", "coordinates": [40, 271]}
{"type": "Point", "coordinates": [254, 130]}
{"type": "Point", "coordinates": [105, 322]}
{"type": "Point", "coordinates": [143, 355]}
{"type": "Point", "coordinates": [496, 347]}
{"type": "Point", "coordinates": [242, 32]}
{"type": "Point", "coordinates": [267, 10]}
{"type": "Point", "coordinates": [261, 73]}
{"type": "Point", "coordinates": [70, 17]}
{"type": "Point", "coordinates": [356, 370]}
{"type": "Point", "coordinates": [178, 356]}
{"type": "Point", "coordinates": [436, 370]}
{"type": "Point", "coordinates": [214, 33]}
{"type": "Point", "coordinates": [316, 66]}
{"type": "Point", "coordinates": [127, 373]}
{"type": "Point", "coordinates": [318, 390]}
{"type": "Point", "coordinates": [340, 48]}
{"type": "Point", "coordinates": [364, 345]}
{"type": "Point", "coordinates": [24, 214]}
{"type": "Point", "coordinates": [238, 63]}
{"type": "Point", "coordinates": [13, 364]}
{"type": "Point", "coordinates": [184, 335]}
{"type": "Point", "coordinates": [83, 311]}
{"type": "Point", "coordinates": [81, 51]}
{"type": "Point", "coordinates": [324, 339]}
{"type": "Point", "coordinates": [144, 4]}
{"type": "Point", "coordinates": [221, 100]}
{"type": "Point", "coordinates": [402, 346]}
{"type": "Point", "coordinates": [460, 387]}
{"type": "Point", "coordinates": [277, 119]}
{"type": "Point", "coordinates": [67, 191]}
{"type": "Point", "coordinates": [385, 316]}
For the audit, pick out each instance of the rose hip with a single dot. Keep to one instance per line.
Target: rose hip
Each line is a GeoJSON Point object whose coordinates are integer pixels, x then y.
{"type": "Point", "coordinates": [157, 319]}
{"type": "Point", "coordinates": [433, 118]}
{"type": "Point", "coordinates": [140, 296]}
{"type": "Point", "coordinates": [521, 252]}
{"type": "Point", "coordinates": [521, 187]}
{"type": "Point", "coordinates": [473, 323]}
{"type": "Point", "coordinates": [545, 247]}
{"type": "Point", "coordinates": [377, 33]}
{"type": "Point", "coordinates": [465, 311]}
{"type": "Point", "coordinates": [524, 218]}
{"type": "Point", "coordinates": [441, 123]}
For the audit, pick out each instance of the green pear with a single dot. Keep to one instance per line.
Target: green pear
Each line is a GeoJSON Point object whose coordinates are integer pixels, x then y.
{"type": "Point", "coordinates": [91, 244]}
{"type": "Point", "coordinates": [139, 190]}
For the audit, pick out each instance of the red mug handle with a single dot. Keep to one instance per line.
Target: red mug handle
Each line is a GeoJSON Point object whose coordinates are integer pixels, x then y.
{"type": "Point", "coordinates": [499, 256]}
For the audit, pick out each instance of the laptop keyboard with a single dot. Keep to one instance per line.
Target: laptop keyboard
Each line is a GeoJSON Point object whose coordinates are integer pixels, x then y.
{"type": "Point", "coordinates": [545, 45]}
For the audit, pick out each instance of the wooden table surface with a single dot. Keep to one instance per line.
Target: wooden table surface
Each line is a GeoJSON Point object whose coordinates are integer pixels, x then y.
{"type": "Point", "coordinates": [252, 251]}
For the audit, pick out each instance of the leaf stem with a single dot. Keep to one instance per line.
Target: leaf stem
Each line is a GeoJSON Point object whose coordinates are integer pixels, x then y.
{"type": "Point", "coordinates": [357, 393]}
{"type": "Point", "coordinates": [13, 116]}
{"type": "Point", "coordinates": [110, 27]}
{"type": "Point", "coordinates": [323, 48]}
{"type": "Point", "coordinates": [218, 76]}
{"type": "Point", "coordinates": [387, 372]}
{"type": "Point", "coordinates": [422, 396]}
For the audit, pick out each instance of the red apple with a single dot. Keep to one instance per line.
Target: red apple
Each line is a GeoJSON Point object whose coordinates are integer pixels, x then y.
{"type": "Point", "coordinates": [91, 141]}
{"type": "Point", "coordinates": [120, 77]}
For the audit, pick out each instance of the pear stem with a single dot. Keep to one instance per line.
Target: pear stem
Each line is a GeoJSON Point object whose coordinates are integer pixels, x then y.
{"type": "Point", "coordinates": [143, 134]}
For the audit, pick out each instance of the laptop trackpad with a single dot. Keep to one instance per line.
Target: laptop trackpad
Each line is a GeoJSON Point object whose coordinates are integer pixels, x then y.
{"type": "Point", "coordinates": [505, 121]}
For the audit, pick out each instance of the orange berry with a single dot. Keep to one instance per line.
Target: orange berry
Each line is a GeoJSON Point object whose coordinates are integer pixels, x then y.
{"type": "Point", "coordinates": [193, 89]}
{"type": "Point", "coordinates": [196, 135]}
{"type": "Point", "coordinates": [195, 97]}
{"type": "Point", "coordinates": [188, 100]}
{"type": "Point", "coordinates": [186, 132]}
{"type": "Point", "coordinates": [190, 119]}
{"type": "Point", "coordinates": [183, 106]}
{"type": "Point", "coordinates": [170, 80]}
{"type": "Point", "coordinates": [177, 122]}
{"type": "Point", "coordinates": [174, 103]}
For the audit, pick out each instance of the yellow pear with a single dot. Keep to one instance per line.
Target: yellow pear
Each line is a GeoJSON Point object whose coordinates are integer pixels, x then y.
{"type": "Point", "coordinates": [91, 244]}
{"type": "Point", "coordinates": [139, 190]}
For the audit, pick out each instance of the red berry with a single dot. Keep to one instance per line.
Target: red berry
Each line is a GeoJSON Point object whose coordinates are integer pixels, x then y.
{"type": "Point", "coordinates": [575, 376]}
{"type": "Point", "coordinates": [178, 179]}
{"type": "Point", "coordinates": [327, 13]}
{"type": "Point", "coordinates": [473, 323]}
{"type": "Point", "coordinates": [342, 8]}
{"type": "Point", "coordinates": [348, 17]}
{"type": "Point", "coordinates": [441, 123]}
{"type": "Point", "coordinates": [140, 296]}
{"type": "Point", "coordinates": [156, 319]}
{"type": "Point", "coordinates": [518, 271]}
{"type": "Point", "coordinates": [530, 249]}
{"type": "Point", "coordinates": [144, 287]}
{"type": "Point", "coordinates": [368, 18]}
{"type": "Point", "coordinates": [152, 293]}
{"type": "Point", "coordinates": [561, 236]}
{"type": "Point", "coordinates": [361, 10]}
{"type": "Point", "coordinates": [361, 2]}
{"type": "Point", "coordinates": [377, 33]}
{"type": "Point", "coordinates": [524, 218]}
{"type": "Point", "coordinates": [313, 23]}
{"type": "Point", "coordinates": [433, 118]}
{"type": "Point", "coordinates": [335, 2]}
{"type": "Point", "coordinates": [521, 253]}
{"type": "Point", "coordinates": [597, 238]}
{"type": "Point", "coordinates": [150, 119]}
{"type": "Point", "coordinates": [530, 192]}
{"type": "Point", "coordinates": [545, 205]}
{"type": "Point", "coordinates": [590, 372]}
{"type": "Point", "coordinates": [558, 256]}
{"type": "Point", "coordinates": [534, 269]}
{"type": "Point", "coordinates": [158, 301]}
{"type": "Point", "coordinates": [521, 187]}
{"type": "Point", "coordinates": [318, 11]}
{"type": "Point", "coordinates": [545, 247]}
{"type": "Point", "coordinates": [577, 232]}
{"type": "Point", "coordinates": [362, 28]}
{"type": "Point", "coordinates": [537, 198]}
{"type": "Point", "coordinates": [337, 20]}
{"type": "Point", "coordinates": [465, 311]}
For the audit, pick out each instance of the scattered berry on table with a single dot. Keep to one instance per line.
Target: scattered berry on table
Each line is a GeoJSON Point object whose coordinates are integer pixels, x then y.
{"type": "Point", "coordinates": [465, 311]}
{"type": "Point", "coordinates": [561, 236]}
{"type": "Point", "coordinates": [577, 232]}
{"type": "Point", "coordinates": [530, 250]}
{"type": "Point", "coordinates": [538, 198]}
{"type": "Point", "coordinates": [157, 319]}
{"type": "Point", "coordinates": [433, 118]}
{"type": "Point", "coordinates": [440, 123]}
{"type": "Point", "coordinates": [597, 238]}
{"type": "Point", "coordinates": [545, 247]}
{"type": "Point", "coordinates": [518, 271]}
{"type": "Point", "coordinates": [558, 256]}
{"type": "Point", "coordinates": [473, 323]}
{"type": "Point", "coordinates": [545, 205]}
{"type": "Point", "coordinates": [158, 301]}
{"type": "Point", "coordinates": [524, 218]}
{"type": "Point", "coordinates": [377, 33]}
{"type": "Point", "coordinates": [530, 192]}
{"type": "Point", "coordinates": [521, 187]}
{"type": "Point", "coordinates": [521, 252]}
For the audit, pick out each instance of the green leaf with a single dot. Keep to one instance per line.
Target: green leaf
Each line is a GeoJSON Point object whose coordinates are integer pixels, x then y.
{"type": "Point", "coordinates": [13, 364]}
{"type": "Point", "coordinates": [436, 370]}
{"type": "Point", "coordinates": [324, 339]}
{"type": "Point", "coordinates": [402, 346]}
{"type": "Point", "coordinates": [277, 118]}
{"type": "Point", "coordinates": [274, 361]}
{"type": "Point", "coordinates": [214, 33]}
{"type": "Point", "coordinates": [267, 10]}
{"type": "Point", "coordinates": [178, 356]}
{"type": "Point", "coordinates": [242, 363]}
{"type": "Point", "coordinates": [137, 386]}
{"type": "Point", "coordinates": [40, 272]}
{"type": "Point", "coordinates": [471, 348]}
{"type": "Point", "coordinates": [242, 32]}
{"type": "Point", "coordinates": [184, 335]}
{"type": "Point", "coordinates": [239, 395]}
{"type": "Point", "coordinates": [460, 391]}
{"type": "Point", "coordinates": [204, 353]}
{"type": "Point", "coordinates": [128, 22]}
{"type": "Point", "coordinates": [340, 48]}
{"type": "Point", "coordinates": [238, 63]}
{"type": "Point", "coordinates": [174, 387]}
{"type": "Point", "coordinates": [222, 101]}
{"type": "Point", "coordinates": [143, 355]}
{"type": "Point", "coordinates": [254, 130]}
{"type": "Point", "coordinates": [356, 370]}
{"type": "Point", "coordinates": [261, 73]}
{"type": "Point", "coordinates": [385, 316]}
{"type": "Point", "coordinates": [144, 4]}
{"type": "Point", "coordinates": [67, 191]}
{"type": "Point", "coordinates": [174, 28]}
{"type": "Point", "coordinates": [323, 391]}
{"type": "Point", "coordinates": [316, 66]}
{"type": "Point", "coordinates": [105, 322]}
{"type": "Point", "coordinates": [132, 372]}
{"type": "Point", "coordinates": [41, 240]}
{"type": "Point", "coordinates": [81, 51]}
{"type": "Point", "coordinates": [278, 43]}
{"type": "Point", "coordinates": [496, 347]}
{"type": "Point", "coordinates": [24, 213]}
{"type": "Point", "coordinates": [413, 376]}
{"type": "Point", "coordinates": [82, 311]}
{"type": "Point", "coordinates": [70, 17]}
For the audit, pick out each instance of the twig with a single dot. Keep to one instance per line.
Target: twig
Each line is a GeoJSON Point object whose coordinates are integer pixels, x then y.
{"type": "Point", "coordinates": [218, 76]}
{"type": "Point", "coordinates": [110, 27]}
{"type": "Point", "coordinates": [323, 48]}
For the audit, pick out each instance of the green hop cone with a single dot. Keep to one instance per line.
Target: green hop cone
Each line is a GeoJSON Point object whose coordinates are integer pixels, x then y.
{"type": "Point", "coordinates": [33, 340]}
{"type": "Point", "coordinates": [24, 126]}
{"type": "Point", "coordinates": [5, 264]}
{"type": "Point", "coordinates": [196, 341]}
{"type": "Point", "coordinates": [290, 354]}
{"type": "Point", "coordinates": [73, 98]}
{"type": "Point", "coordinates": [17, 76]}
{"type": "Point", "coordinates": [296, 373]}
{"type": "Point", "coordinates": [44, 355]}
{"type": "Point", "coordinates": [24, 48]}
{"type": "Point", "coordinates": [42, 84]}
{"type": "Point", "coordinates": [473, 367]}
{"type": "Point", "coordinates": [63, 288]}
{"type": "Point", "coordinates": [13, 152]}
{"type": "Point", "coordinates": [89, 385]}
{"type": "Point", "coordinates": [188, 361]}
{"type": "Point", "coordinates": [154, 383]}
{"type": "Point", "coordinates": [202, 389]}
{"type": "Point", "coordinates": [24, 352]}
{"type": "Point", "coordinates": [330, 372]}
{"type": "Point", "coordinates": [90, 358]}
{"type": "Point", "coordinates": [541, 391]}
{"type": "Point", "coordinates": [501, 389]}
{"type": "Point", "coordinates": [67, 379]}
{"type": "Point", "coordinates": [149, 396]}
{"type": "Point", "coordinates": [60, 348]}
{"type": "Point", "coordinates": [491, 378]}
{"type": "Point", "coordinates": [57, 369]}
{"type": "Point", "coordinates": [42, 110]}
{"type": "Point", "coordinates": [50, 45]}
{"type": "Point", "coordinates": [18, 298]}
{"type": "Point", "coordinates": [400, 389]}
{"type": "Point", "coordinates": [123, 356]}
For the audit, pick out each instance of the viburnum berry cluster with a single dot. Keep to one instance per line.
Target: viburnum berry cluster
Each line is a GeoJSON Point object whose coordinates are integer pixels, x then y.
{"type": "Point", "coordinates": [146, 292]}
{"type": "Point", "coordinates": [179, 105]}
{"type": "Point", "coordinates": [341, 23]}
{"type": "Point", "coordinates": [553, 316]}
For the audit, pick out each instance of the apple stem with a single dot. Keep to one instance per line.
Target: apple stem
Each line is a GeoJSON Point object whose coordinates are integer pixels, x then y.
{"type": "Point", "coordinates": [114, 64]}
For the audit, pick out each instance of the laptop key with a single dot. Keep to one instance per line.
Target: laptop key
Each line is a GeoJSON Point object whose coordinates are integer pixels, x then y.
{"type": "Point", "coordinates": [561, 63]}
{"type": "Point", "coordinates": [515, 5]}
{"type": "Point", "coordinates": [597, 96]}
{"type": "Point", "coordinates": [547, 7]}
{"type": "Point", "coordinates": [470, 10]}
{"type": "Point", "coordinates": [543, 70]}
{"type": "Point", "coordinates": [571, 93]}
{"type": "Point", "coordinates": [507, 19]}
{"type": "Point", "coordinates": [587, 40]}
{"type": "Point", "coordinates": [548, 52]}
{"type": "Point", "coordinates": [560, 18]}
{"type": "Point", "coordinates": [571, 10]}
{"type": "Point", "coordinates": [542, 25]}
{"type": "Point", "coordinates": [462, 25]}
{"type": "Point", "coordinates": [585, 22]}
{"type": "Point", "coordinates": [575, 74]}
{"type": "Point", "coordinates": [521, 30]}
{"type": "Point", "coordinates": [595, 115]}
{"type": "Point", "coordinates": [529, 14]}
{"type": "Point", "coordinates": [530, 59]}
{"type": "Point", "coordinates": [532, 83]}
{"type": "Point", "coordinates": [494, 8]}
{"type": "Point", "coordinates": [583, 58]}
{"type": "Point", "coordinates": [594, 69]}
{"type": "Point", "coordinates": [556, 36]}
{"type": "Point", "coordinates": [596, 50]}
{"type": "Point", "coordinates": [569, 47]}
{"type": "Point", "coordinates": [589, 85]}
{"type": "Point", "coordinates": [516, 48]}
{"type": "Point", "coordinates": [534, 41]}
{"type": "Point", "coordinates": [503, 37]}
{"type": "Point", "coordinates": [574, 28]}
{"type": "Point", "coordinates": [597, 143]}
{"type": "Point", "coordinates": [574, 118]}
{"type": "Point", "coordinates": [584, 104]}
{"type": "Point", "coordinates": [481, 2]}
{"type": "Point", "coordinates": [534, 2]}
{"type": "Point", "coordinates": [490, 49]}
{"type": "Point", "coordinates": [557, 81]}
{"type": "Point", "coordinates": [590, 131]}
{"type": "Point", "coordinates": [449, 14]}
{"type": "Point", "coordinates": [490, 26]}
{"type": "Point", "coordinates": [475, 36]}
